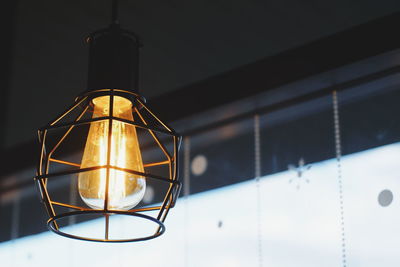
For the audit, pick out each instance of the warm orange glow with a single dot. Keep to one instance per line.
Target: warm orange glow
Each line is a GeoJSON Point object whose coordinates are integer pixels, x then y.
{"type": "Point", "coordinates": [125, 190]}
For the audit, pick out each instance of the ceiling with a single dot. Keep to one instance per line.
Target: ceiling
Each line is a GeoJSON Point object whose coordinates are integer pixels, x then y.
{"type": "Point", "coordinates": [184, 42]}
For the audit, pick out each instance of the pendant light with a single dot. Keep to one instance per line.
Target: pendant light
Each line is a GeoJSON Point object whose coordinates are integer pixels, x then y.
{"type": "Point", "coordinates": [109, 146]}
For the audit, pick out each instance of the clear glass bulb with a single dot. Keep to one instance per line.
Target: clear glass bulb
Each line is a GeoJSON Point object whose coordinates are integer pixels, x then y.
{"type": "Point", "coordinates": [125, 190]}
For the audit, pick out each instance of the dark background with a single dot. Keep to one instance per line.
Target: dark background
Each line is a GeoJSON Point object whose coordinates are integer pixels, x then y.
{"type": "Point", "coordinates": [197, 55]}
{"type": "Point", "coordinates": [185, 42]}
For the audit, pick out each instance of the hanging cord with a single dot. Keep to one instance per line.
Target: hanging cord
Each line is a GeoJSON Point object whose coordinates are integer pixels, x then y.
{"type": "Point", "coordinates": [186, 193]}
{"type": "Point", "coordinates": [15, 217]}
{"type": "Point", "coordinates": [338, 145]}
{"type": "Point", "coordinates": [114, 12]}
{"type": "Point", "coordinates": [257, 156]}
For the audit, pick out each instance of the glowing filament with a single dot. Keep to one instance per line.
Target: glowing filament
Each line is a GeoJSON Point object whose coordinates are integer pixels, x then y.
{"type": "Point", "coordinates": [125, 190]}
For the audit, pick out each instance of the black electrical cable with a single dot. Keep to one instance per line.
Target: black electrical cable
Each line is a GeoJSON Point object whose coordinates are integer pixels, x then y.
{"type": "Point", "coordinates": [114, 12]}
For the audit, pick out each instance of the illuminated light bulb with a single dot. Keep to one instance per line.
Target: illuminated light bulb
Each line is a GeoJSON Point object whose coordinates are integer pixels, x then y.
{"type": "Point", "coordinates": [125, 190]}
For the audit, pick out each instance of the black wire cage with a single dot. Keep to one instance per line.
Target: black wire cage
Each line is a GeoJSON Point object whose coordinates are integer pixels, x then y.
{"type": "Point", "coordinates": [61, 167]}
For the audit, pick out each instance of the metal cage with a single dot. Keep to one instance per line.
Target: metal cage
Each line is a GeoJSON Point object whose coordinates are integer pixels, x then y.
{"type": "Point", "coordinates": [168, 146]}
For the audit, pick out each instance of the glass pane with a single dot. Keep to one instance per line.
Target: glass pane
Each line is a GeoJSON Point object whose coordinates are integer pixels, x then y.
{"type": "Point", "coordinates": [299, 197]}
{"type": "Point", "coordinates": [222, 156]}
{"type": "Point", "coordinates": [370, 183]}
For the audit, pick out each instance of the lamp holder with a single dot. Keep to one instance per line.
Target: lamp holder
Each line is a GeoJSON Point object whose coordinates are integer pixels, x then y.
{"type": "Point", "coordinates": [113, 59]}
